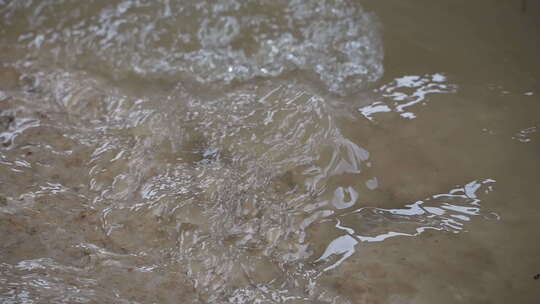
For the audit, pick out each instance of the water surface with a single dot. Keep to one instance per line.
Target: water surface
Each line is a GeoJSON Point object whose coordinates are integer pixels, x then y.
{"type": "Point", "coordinates": [269, 151]}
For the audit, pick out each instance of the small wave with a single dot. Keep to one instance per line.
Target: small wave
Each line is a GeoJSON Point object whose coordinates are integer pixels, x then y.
{"type": "Point", "coordinates": [212, 42]}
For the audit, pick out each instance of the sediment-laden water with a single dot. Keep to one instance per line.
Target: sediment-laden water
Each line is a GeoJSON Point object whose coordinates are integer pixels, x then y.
{"type": "Point", "coordinates": [269, 151]}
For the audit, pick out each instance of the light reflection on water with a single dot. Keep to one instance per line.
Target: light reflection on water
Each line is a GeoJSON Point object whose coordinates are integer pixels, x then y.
{"type": "Point", "coordinates": [223, 152]}
{"type": "Point", "coordinates": [440, 212]}
{"type": "Point", "coordinates": [407, 91]}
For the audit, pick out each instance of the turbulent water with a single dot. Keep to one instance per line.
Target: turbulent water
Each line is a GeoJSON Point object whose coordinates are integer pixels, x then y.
{"type": "Point", "coordinates": [211, 42]}
{"type": "Point", "coordinates": [257, 152]}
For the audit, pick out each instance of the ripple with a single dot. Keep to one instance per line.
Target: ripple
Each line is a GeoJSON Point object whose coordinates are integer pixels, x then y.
{"type": "Point", "coordinates": [224, 197]}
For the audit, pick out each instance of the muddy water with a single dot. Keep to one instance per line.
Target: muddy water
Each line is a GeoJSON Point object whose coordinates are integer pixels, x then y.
{"type": "Point", "coordinates": [269, 151]}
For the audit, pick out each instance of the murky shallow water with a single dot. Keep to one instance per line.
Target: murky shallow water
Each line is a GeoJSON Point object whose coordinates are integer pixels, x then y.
{"type": "Point", "coordinates": [269, 152]}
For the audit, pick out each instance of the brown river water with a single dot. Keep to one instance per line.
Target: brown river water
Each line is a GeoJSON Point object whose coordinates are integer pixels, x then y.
{"type": "Point", "coordinates": [269, 151]}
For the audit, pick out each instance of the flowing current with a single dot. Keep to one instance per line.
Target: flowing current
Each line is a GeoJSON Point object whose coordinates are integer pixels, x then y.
{"type": "Point", "coordinates": [227, 151]}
